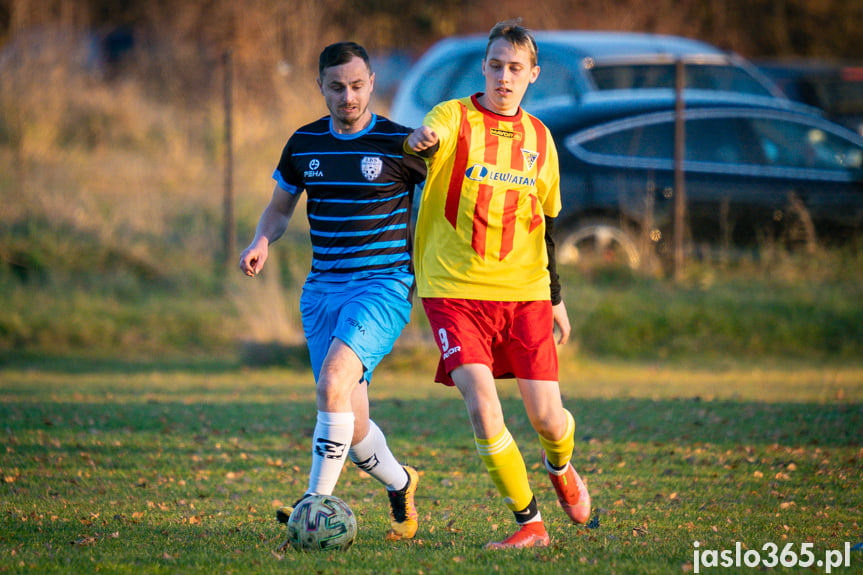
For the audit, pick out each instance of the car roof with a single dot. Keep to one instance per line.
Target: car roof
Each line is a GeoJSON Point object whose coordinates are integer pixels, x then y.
{"type": "Point", "coordinates": [599, 44]}
{"type": "Point", "coordinates": [600, 107]}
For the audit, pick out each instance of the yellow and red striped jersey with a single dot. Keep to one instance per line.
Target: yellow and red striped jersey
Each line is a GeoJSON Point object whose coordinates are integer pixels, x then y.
{"type": "Point", "coordinates": [480, 230]}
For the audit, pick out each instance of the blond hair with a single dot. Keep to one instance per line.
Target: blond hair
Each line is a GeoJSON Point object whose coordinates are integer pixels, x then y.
{"type": "Point", "coordinates": [513, 32]}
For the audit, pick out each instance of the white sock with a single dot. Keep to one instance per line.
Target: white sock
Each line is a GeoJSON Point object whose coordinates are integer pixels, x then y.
{"type": "Point", "coordinates": [332, 439]}
{"type": "Point", "coordinates": [373, 456]}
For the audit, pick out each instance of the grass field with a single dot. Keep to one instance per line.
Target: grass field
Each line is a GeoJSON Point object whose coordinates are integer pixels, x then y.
{"type": "Point", "coordinates": [116, 467]}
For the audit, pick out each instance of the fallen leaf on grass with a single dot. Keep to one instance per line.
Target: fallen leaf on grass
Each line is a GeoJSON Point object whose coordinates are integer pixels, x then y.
{"type": "Point", "coordinates": [84, 541]}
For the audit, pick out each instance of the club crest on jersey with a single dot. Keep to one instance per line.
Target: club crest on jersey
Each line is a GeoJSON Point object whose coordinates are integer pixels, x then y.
{"type": "Point", "coordinates": [371, 167]}
{"type": "Point", "coordinates": [529, 157]}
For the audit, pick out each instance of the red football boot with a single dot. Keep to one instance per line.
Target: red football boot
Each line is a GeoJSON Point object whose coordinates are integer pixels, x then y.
{"type": "Point", "coordinates": [528, 535]}
{"type": "Point", "coordinates": [571, 493]}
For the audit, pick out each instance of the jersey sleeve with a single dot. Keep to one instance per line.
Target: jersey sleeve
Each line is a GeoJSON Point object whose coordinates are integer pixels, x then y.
{"type": "Point", "coordinates": [444, 119]}
{"type": "Point", "coordinates": [415, 169]}
{"type": "Point", "coordinates": [286, 175]}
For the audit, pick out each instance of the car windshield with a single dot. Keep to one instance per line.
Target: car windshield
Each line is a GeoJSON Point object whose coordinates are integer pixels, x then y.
{"type": "Point", "coordinates": [662, 75]}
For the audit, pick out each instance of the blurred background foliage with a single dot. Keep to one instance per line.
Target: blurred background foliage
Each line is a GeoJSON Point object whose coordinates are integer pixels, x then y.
{"type": "Point", "coordinates": [112, 146]}
{"type": "Point", "coordinates": [178, 42]}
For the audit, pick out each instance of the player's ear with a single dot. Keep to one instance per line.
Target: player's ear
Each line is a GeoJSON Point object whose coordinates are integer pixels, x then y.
{"type": "Point", "coordinates": [372, 82]}
{"type": "Point", "coordinates": [320, 84]}
{"type": "Point", "coordinates": [534, 74]}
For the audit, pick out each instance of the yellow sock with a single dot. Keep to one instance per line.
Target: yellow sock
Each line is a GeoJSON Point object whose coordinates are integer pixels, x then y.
{"type": "Point", "coordinates": [506, 467]}
{"type": "Point", "coordinates": [558, 453]}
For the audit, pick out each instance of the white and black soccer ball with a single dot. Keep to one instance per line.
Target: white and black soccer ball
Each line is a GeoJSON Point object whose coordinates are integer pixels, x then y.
{"type": "Point", "coordinates": [322, 523]}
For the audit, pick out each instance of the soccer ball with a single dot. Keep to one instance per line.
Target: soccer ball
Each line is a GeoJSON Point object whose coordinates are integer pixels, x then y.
{"type": "Point", "coordinates": [322, 523]}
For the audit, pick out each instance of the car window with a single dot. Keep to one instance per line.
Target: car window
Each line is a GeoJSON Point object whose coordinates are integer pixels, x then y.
{"type": "Point", "coordinates": [725, 78]}
{"type": "Point", "coordinates": [645, 141]}
{"type": "Point", "coordinates": [469, 80]}
{"type": "Point", "coordinates": [630, 76]}
{"type": "Point", "coordinates": [438, 82]}
{"type": "Point", "coordinates": [715, 140]}
{"type": "Point", "coordinates": [556, 80]}
{"type": "Point", "coordinates": [797, 145]}
{"type": "Point", "coordinates": [718, 140]}
{"type": "Point", "coordinates": [656, 75]}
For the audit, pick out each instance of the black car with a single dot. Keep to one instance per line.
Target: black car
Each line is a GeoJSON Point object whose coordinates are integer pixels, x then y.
{"type": "Point", "coordinates": [756, 170]}
{"type": "Point", "coordinates": [833, 87]}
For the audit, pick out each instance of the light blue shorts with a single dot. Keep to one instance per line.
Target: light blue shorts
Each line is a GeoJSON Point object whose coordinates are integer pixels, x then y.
{"type": "Point", "coordinates": [367, 314]}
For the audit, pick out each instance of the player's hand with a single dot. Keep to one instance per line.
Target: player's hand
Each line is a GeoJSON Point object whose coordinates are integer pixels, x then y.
{"type": "Point", "coordinates": [561, 319]}
{"type": "Point", "coordinates": [422, 138]}
{"type": "Point", "coordinates": [253, 257]}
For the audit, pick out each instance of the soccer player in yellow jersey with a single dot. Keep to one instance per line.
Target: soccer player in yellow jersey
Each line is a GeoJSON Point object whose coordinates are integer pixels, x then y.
{"type": "Point", "coordinates": [485, 270]}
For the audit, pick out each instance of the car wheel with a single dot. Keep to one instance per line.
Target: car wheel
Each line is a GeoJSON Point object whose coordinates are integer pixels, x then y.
{"type": "Point", "coordinates": [598, 243]}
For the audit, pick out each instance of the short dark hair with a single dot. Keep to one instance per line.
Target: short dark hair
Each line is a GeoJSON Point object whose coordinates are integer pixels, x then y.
{"type": "Point", "coordinates": [513, 32]}
{"type": "Point", "coordinates": [341, 53]}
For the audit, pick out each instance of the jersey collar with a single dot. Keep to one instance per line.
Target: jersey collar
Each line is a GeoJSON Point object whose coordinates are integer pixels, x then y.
{"type": "Point", "coordinates": [475, 101]}
{"type": "Point", "coordinates": [356, 135]}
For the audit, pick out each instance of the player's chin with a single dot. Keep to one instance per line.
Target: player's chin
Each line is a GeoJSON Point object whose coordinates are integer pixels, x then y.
{"type": "Point", "coordinates": [349, 115]}
{"type": "Point", "coordinates": [504, 99]}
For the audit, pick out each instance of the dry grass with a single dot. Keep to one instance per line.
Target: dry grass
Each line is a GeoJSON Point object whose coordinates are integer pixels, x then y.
{"type": "Point", "coordinates": [105, 185]}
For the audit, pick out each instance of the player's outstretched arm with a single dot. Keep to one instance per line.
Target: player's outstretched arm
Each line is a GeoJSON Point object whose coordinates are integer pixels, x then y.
{"type": "Point", "coordinates": [423, 141]}
{"type": "Point", "coordinates": [273, 223]}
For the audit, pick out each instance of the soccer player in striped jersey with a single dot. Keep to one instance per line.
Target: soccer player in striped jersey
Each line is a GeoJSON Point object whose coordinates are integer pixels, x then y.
{"type": "Point", "coordinates": [485, 270]}
{"type": "Point", "coordinates": [357, 297]}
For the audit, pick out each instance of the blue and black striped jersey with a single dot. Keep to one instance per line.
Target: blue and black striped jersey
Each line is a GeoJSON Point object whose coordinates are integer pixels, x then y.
{"type": "Point", "coordinates": [360, 189]}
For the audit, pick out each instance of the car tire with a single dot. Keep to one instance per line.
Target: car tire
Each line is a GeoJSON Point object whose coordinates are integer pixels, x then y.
{"type": "Point", "coordinates": [593, 243]}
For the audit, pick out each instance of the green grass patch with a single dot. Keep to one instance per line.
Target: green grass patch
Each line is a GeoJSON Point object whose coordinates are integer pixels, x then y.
{"type": "Point", "coordinates": [177, 467]}
{"type": "Point", "coordinates": [785, 309]}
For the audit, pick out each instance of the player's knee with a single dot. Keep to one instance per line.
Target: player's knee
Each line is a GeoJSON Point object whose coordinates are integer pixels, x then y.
{"type": "Point", "coordinates": [549, 425]}
{"type": "Point", "coordinates": [331, 396]}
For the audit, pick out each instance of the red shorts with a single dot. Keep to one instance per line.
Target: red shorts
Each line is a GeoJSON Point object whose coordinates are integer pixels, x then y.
{"type": "Point", "coordinates": [515, 339]}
